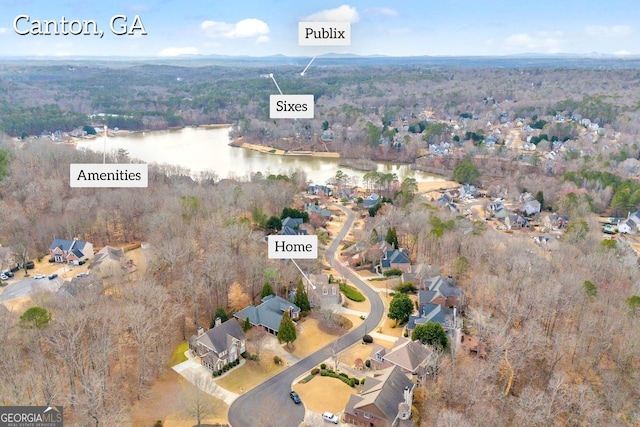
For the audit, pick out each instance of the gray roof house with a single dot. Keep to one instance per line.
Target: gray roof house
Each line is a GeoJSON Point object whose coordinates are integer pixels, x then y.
{"type": "Point", "coordinates": [395, 258]}
{"type": "Point", "coordinates": [325, 293]}
{"type": "Point", "coordinates": [291, 227]}
{"type": "Point", "coordinates": [218, 346]}
{"type": "Point", "coordinates": [268, 315]}
{"type": "Point", "coordinates": [415, 359]}
{"type": "Point", "coordinates": [70, 251]}
{"type": "Point", "coordinates": [385, 400]}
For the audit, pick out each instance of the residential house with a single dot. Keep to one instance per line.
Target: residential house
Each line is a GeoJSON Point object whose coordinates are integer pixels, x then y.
{"type": "Point", "coordinates": [70, 251]}
{"type": "Point", "coordinates": [220, 345]}
{"type": "Point", "coordinates": [109, 261]}
{"type": "Point", "coordinates": [324, 294]}
{"type": "Point", "coordinates": [320, 189]}
{"type": "Point", "coordinates": [467, 191]}
{"type": "Point", "coordinates": [315, 209]}
{"type": "Point", "coordinates": [516, 222]}
{"type": "Point", "coordinates": [439, 300]}
{"type": "Point", "coordinates": [268, 315]}
{"type": "Point", "coordinates": [385, 400]}
{"type": "Point", "coordinates": [371, 201]}
{"type": "Point", "coordinates": [631, 224]}
{"type": "Point", "coordinates": [395, 258]}
{"type": "Point", "coordinates": [415, 359]}
{"type": "Point", "coordinates": [291, 227]}
{"type": "Point", "coordinates": [555, 221]}
{"type": "Point", "coordinates": [497, 210]}
{"type": "Point", "coordinates": [529, 205]}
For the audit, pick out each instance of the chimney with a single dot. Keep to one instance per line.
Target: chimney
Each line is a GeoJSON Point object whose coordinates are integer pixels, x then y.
{"type": "Point", "coordinates": [405, 394]}
{"type": "Point", "coordinates": [217, 322]}
{"type": "Point", "coordinates": [199, 331]}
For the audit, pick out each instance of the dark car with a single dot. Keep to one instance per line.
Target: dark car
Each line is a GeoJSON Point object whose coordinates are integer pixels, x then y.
{"type": "Point", "coordinates": [52, 276]}
{"type": "Point", "coordinates": [294, 396]}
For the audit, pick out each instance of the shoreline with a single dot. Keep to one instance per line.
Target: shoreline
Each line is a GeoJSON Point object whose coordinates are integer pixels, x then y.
{"type": "Point", "coordinates": [239, 142]}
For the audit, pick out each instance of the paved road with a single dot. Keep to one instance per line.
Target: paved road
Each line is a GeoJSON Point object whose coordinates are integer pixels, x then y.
{"type": "Point", "coordinates": [28, 287]}
{"type": "Point", "coordinates": [269, 404]}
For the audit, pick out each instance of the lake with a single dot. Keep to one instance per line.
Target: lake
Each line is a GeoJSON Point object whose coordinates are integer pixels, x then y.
{"type": "Point", "coordinates": [201, 149]}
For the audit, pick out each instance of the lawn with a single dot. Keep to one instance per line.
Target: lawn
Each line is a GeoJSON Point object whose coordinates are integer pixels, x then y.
{"type": "Point", "coordinates": [311, 338]}
{"type": "Point", "coordinates": [167, 400]}
{"type": "Point", "coordinates": [251, 374]}
{"type": "Point", "coordinates": [324, 394]}
{"type": "Point", "coordinates": [178, 354]}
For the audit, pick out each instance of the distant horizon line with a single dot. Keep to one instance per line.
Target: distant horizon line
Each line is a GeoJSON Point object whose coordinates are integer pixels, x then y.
{"type": "Point", "coordinates": [532, 55]}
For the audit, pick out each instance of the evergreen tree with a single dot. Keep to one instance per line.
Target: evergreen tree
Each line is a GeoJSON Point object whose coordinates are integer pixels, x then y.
{"type": "Point", "coordinates": [267, 290]}
{"type": "Point", "coordinates": [302, 299]}
{"type": "Point", "coordinates": [36, 317]}
{"type": "Point", "coordinates": [287, 330]}
{"type": "Point", "coordinates": [466, 172]}
{"type": "Point", "coordinates": [392, 237]}
{"type": "Point", "coordinates": [221, 314]}
{"type": "Point", "coordinates": [247, 324]}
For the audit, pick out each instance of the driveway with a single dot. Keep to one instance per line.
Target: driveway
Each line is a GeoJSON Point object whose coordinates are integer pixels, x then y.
{"type": "Point", "coordinates": [201, 377]}
{"type": "Point", "coordinates": [257, 407]}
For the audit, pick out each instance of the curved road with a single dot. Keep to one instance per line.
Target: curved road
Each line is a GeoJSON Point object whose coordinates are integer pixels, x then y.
{"type": "Point", "coordinates": [269, 404]}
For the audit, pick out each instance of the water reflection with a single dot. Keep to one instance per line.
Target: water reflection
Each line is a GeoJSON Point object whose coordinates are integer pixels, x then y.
{"type": "Point", "coordinates": [200, 149]}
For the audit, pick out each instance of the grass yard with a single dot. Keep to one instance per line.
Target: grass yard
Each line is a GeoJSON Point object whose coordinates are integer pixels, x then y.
{"type": "Point", "coordinates": [178, 354]}
{"type": "Point", "coordinates": [167, 400]}
{"type": "Point", "coordinates": [324, 394]}
{"type": "Point", "coordinates": [311, 338]}
{"type": "Point", "coordinates": [250, 374]}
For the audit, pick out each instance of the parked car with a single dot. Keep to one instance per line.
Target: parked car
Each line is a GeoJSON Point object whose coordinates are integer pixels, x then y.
{"type": "Point", "coordinates": [332, 418]}
{"type": "Point", "coordinates": [52, 276]}
{"type": "Point", "coordinates": [294, 396]}
{"type": "Point", "coordinates": [4, 277]}
{"type": "Point", "coordinates": [39, 276]}
{"type": "Point", "coordinates": [7, 273]}
{"type": "Point", "coordinates": [85, 274]}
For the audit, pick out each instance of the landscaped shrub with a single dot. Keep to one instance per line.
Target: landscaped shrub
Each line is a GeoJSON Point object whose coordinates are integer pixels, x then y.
{"type": "Point", "coordinates": [392, 272]}
{"type": "Point", "coordinates": [367, 363]}
{"type": "Point", "coordinates": [352, 382]}
{"type": "Point", "coordinates": [355, 381]}
{"type": "Point", "coordinates": [362, 381]}
{"type": "Point", "coordinates": [315, 371]}
{"type": "Point", "coordinates": [367, 339]}
{"type": "Point", "coordinates": [352, 293]}
{"type": "Point", "coordinates": [323, 366]}
{"type": "Point", "coordinates": [245, 354]}
{"type": "Point", "coordinates": [277, 360]}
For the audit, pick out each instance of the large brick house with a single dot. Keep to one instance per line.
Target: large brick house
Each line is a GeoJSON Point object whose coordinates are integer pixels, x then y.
{"type": "Point", "coordinates": [220, 345]}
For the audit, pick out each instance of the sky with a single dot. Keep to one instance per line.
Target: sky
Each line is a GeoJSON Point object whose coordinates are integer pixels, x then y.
{"type": "Point", "coordinates": [269, 27]}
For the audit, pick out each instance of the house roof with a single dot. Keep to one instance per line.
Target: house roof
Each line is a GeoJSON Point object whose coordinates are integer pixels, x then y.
{"type": "Point", "coordinates": [395, 257]}
{"type": "Point", "coordinates": [445, 287]}
{"type": "Point", "coordinates": [408, 354]}
{"type": "Point", "coordinates": [218, 339]}
{"type": "Point", "coordinates": [108, 253]}
{"type": "Point", "coordinates": [382, 393]}
{"type": "Point", "coordinates": [269, 313]}
{"type": "Point", "coordinates": [430, 313]}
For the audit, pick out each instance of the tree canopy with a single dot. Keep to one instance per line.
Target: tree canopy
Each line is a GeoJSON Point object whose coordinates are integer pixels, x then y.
{"type": "Point", "coordinates": [433, 334]}
{"type": "Point", "coordinates": [466, 172]}
{"type": "Point", "coordinates": [400, 308]}
{"type": "Point", "coordinates": [37, 317]}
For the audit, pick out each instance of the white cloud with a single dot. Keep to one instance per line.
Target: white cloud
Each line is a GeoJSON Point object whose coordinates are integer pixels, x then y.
{"type": "Point", "coordinates": [246, 28]}
{"type": "Point", "coordinates": [549, 42]}
{"type": "Point", "coordinates": [386, 11]}
{"type": "Point", "coordinates": [177, 51]}
{"type": "Point", "coordinates": [622, 52]}
{"type": "Point", "coordinates": [262, 39]}
{"type": "Point", "coordinates": [344, 13]}
{"type": "Point", "coordinates": [608, 32]}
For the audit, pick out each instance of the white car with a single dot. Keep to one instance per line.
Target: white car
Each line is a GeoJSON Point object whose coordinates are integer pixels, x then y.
{"type": "Point", "coordinates": [39, 276]}
{"type": "Point", "coordinates": [328, 416]}
{"type": "Point", "coordinates": [4, 277]}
